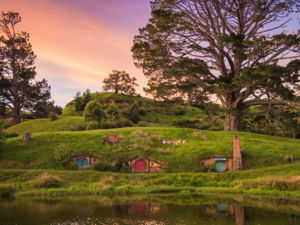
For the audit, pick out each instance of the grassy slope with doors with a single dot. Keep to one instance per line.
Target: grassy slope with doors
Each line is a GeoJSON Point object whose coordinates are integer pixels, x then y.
{"type": "Point", "coordinates": [31, 169]}
{"type": "Point", "coordinates": [258, 150]}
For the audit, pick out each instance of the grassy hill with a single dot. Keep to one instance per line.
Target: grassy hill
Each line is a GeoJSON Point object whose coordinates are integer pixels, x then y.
{"type": "Point", "coordinates": [258, 150]}
{"type": "Point", "coordinates": [152, 114]}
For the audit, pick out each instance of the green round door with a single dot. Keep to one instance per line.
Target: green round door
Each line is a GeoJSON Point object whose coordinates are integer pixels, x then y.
{"type": "Point", "coordinates": [220, 166]}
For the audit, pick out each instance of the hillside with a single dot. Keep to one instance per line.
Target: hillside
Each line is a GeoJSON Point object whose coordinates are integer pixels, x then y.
{"type": "Point", "coordinates": [152, 114]}
{"type": "Point", "coordinates": [258, 150]}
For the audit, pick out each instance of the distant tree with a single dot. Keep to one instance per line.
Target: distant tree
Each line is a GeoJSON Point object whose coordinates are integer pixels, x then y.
{"type": "Point", "coordinates": [18, 90]}
{"type": "Point", "coordinates": [239, 44]}
{"type": "Point", "coordinates": [77, 101]}
{"type": "Point", "coordinates": [42, 109]}
{"type": "Point", "coordinates": [85, 99]}
{"type": "Point", "coordinates": [120, 82]}
{"type": "Point", "coordinates": [94, 111]}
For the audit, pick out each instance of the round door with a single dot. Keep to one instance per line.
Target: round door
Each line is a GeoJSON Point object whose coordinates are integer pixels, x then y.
{"type": "Point", "coordinates": [82, 162]}
{"type": "Point", "coordinates": [220, 166]}
{"type": "Point", "coordinates": [140, 166]}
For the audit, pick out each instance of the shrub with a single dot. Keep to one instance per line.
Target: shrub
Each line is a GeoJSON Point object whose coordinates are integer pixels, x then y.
{"type": "Point", "coordinates": [113, 111]}
{"type": "Point", "coordinates": [11, 135]}
{"type": "Point", "coordinates": [192, 123]}
{"type": "Point", "coordinates": [180, 110]}
{"type": "Point", "coordinates": [69, 110]}
{"type": "Point", "coordinates": [118, 164]}
{"type": "Point", "coordinates": [93, 125]}
{"type": "Point", "coordinates": [6, 190]}
{"type": "Point", "coordinates": [94, 112]}
{"type": "Point", "coordinates": [46, 180]}
{"type": "Point", "coordinates": [134, 114]}
{"type": "Point", "coordinates": [63, 155]}
{"type": "Point", "coordinates": [102, 166]}
{"type": "Point", "coordinates": [53, 116]}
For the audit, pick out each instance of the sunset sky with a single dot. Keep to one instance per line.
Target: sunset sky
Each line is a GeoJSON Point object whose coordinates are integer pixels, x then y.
{"type": "Point", "coordinates": [79, 42]}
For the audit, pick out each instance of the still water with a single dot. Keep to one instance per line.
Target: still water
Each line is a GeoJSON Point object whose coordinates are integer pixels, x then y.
{"type": "Point", "coordinates": [150, 210]}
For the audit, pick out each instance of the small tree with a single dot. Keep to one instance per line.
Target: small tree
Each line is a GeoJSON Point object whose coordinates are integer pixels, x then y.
{"type": "Point", "coordinates": [86, 97]}
{"type": "Point", "coordinates": [120, 81]}
{"type": "Point", "coordinates": [94, 112]}
{"type": "Point", "coordinates": [77, 101]}
{"type": "Point", "coordinates": [134, 113]}
{"type": "Point", "coordinates": [113, 111]}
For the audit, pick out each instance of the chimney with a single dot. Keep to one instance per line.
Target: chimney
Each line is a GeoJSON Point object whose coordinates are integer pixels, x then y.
{"type": "Point", "coordinates": [237, 156]}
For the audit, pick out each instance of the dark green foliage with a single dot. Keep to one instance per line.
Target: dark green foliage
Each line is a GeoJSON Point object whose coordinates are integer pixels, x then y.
{"type": "Point", "coordinates": [94, 111]}
{"type": "Point", "coordinates": [52, 116]}
{"type": "Point", "coordinates": [2, 135]}
{"type": "Point", "coordinates": [6, 190]}
{"type": "Point", "coordinates": [120, 82]}
{"type": "Point", "coordinates": [18, 89]}
{"type": "Point", "coordinates": [63, 155]}
{"type": "Point", "coordinates": [134, 113]}
{"type": "Point", "coordinates": [113, 112]}
{"type": "Point", "coordinates": [11, 135]}
{"type": "Point", "coordinates": [102, 166]}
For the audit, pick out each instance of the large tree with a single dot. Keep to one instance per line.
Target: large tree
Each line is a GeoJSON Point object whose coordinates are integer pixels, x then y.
{"type": "Point", "coordinates": [240, 43]}
{"type": "Point", "coordinates": [18, 88]}
{"type": "Point", "coordinates": [120, 82]}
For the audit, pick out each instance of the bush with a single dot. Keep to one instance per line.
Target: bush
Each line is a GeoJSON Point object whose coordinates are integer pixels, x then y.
{"type": "Point", "coordinates": [63, 155]}
{"type": "Point", "coordinates": [134, 114]}
{"type": "Point", "coordinates": [94, 112]}
{"type": "Point", "coordinates": [69, 110]}
{"type": "Point", "coordinates": [11, 135]}
{"type": "Point", "coordinates": [192, 123]}
{"type": "Point", "coordinates": [93, 125]}
{"type": "Point", "coordinates": [6, 190]}
{"type": "Point", "coordinates": [46, 180]}
{"type": "Point", "coordinates": [53, 116]}
{"type": "Point", "coordinates": [180, 110]}
{"type": "Point", "coordinates": [102, 166]}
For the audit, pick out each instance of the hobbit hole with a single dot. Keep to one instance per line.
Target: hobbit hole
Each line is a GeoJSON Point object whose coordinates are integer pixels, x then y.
{"type": "Point", "coordinates": [85, 161]}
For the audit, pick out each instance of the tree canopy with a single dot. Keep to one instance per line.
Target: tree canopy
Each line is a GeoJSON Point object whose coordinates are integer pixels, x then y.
{"type": "Point", "coordinates": [17, 71]}
{"type": "Point", "coordinates": [231, 49]}
{"type": "Point", "coordinates": [120, 82]}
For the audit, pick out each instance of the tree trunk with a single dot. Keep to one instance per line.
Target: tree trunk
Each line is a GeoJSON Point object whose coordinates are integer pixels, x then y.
{"type": "Point", "coordinates": [233, 120]}
{"type": "Point", "coordinates": [16, 115]}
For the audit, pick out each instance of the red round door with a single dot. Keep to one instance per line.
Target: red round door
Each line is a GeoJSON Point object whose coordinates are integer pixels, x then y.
{"type": "Point", "coordinates": [140, 166]}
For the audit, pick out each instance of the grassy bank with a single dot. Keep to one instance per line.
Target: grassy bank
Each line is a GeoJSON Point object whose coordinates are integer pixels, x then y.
{"type": "Point", "coordinates": [279, 180]}
{"type": "Point", "coordinates": [259, 151]}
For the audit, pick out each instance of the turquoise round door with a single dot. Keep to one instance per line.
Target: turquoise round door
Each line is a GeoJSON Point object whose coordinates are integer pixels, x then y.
{"type": "Point", "coordinates": [82, 162]}
{"type": "Point", "coordinates": [220, 166]}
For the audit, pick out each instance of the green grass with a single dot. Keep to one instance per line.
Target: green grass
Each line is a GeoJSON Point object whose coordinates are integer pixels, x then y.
{"type": "Point", "coordinates": [93, 182]}
{"type": "Point", "coordinates": [259, 151]}
{"type": "Point", "coordinates": [66, 123]}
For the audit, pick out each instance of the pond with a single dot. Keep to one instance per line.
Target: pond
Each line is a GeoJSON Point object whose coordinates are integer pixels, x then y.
{"type": "Point", "coordinates": [151, 210]}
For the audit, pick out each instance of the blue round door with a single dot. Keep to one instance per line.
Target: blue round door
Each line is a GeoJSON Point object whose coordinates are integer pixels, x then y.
{"type": "Point", "coordinates": [82, 162]}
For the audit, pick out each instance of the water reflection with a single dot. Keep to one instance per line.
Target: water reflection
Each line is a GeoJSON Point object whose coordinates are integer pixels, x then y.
{"type": "Point", "coordinates": [153, 211]}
